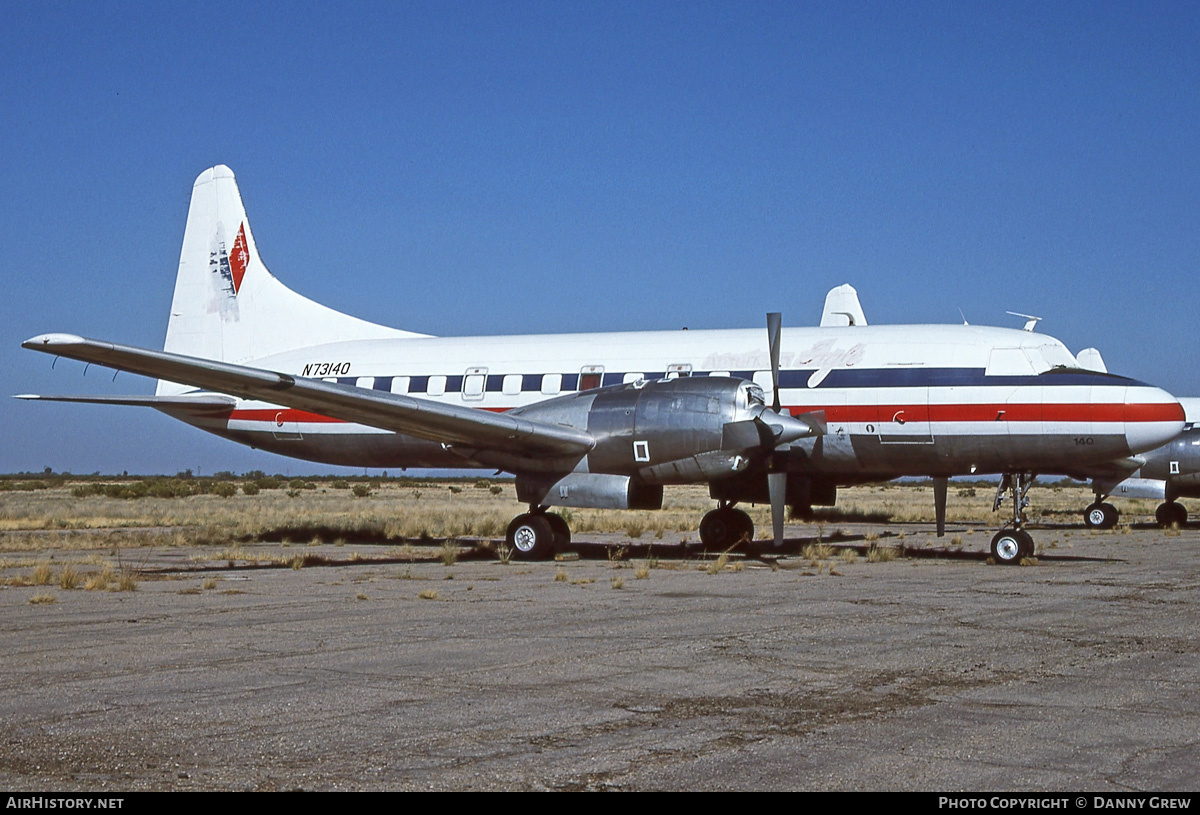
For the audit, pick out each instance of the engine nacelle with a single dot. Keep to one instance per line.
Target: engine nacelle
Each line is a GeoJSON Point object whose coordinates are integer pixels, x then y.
{"type": "Point", "coordinates": [675, 431]}
{"type": "Point", "coordinates": [592, 490]}
{"type": "Point", "coordinates": [1136, 488]}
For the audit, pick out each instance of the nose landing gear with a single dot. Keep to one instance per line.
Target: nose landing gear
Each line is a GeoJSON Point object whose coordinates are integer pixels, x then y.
{"type": "Point", "coordinates": [1009, 546]}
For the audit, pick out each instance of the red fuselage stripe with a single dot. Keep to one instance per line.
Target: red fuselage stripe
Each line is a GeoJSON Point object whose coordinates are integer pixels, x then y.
{"type": "Point", "coordinates": [1043, 412]}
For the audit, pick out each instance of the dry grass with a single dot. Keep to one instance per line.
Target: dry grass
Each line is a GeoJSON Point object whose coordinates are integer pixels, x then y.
{"type": "Point", "coordinates": [39, 523]}
{"type": "Point", "coordinates": [717, 566]}
{"type": "Point", "coordinates": [68, 578]}
{"type": "Point", "coordinates": [42, 599]}
{"type": "Point", "coordinates": [100, 581]}
{"type": "Point", "coordinates": [428, 594]}
{"type": "Point", "coordinates": [818, 551]}
{"type": "Point", "coordinates": [882, 554]}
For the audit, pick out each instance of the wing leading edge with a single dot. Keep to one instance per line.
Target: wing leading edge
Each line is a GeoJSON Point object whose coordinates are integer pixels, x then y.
{"type": "Point", "coordinates": [422, 418]}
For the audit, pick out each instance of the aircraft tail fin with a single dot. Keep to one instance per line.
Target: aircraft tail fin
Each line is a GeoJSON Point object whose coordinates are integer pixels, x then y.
{"type": "Point", "coordinates": [227, 306]}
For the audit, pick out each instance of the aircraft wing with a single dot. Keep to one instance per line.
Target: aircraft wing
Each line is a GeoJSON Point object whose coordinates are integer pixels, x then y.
{"type": "Point", "coordinates": [205, 401]}
{"type": "Point", "coordinates": [422, 418]}
{"type": "Point", "coordinates": [1114, 471]}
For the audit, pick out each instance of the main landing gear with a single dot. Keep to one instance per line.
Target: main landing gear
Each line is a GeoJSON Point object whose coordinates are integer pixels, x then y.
{"type": "Point", "coordinates": [1171, 513]}
{"type": "Point", "coordinates": [1101, 515]}
{"type": "Point", "coordinates": [725, 526]}
{"type": "Point", "coordinates": [537, 534]}
{"type": "Point", "coordinates": [1009, 546]}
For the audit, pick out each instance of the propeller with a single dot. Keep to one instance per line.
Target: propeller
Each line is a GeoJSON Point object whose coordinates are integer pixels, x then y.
{"type": "Point", "coordinates": [813, 424]}
{"type": "Point", "coordinates": [777, 465]}
{"type": "Point", "coordinates": [772, 430]}
{"type": "Point", "coordinates": [774, 334]}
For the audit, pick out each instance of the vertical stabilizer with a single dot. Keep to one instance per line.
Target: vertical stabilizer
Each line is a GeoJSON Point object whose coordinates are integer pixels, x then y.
{"type": "Point", "coordinates": [227, 306]}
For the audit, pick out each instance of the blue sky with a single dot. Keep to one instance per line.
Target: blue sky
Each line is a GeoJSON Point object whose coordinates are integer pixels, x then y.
{"type": "Point", "coordinates": [507, 167]}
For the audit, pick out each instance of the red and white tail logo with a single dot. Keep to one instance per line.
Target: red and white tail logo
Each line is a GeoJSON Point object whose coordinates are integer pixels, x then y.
{"type": "Point", "coordinates": [238, 258]}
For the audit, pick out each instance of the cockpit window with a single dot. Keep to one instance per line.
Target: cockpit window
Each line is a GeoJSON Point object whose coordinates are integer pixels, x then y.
{"type": "Point", "coordinates": [1057, 356]}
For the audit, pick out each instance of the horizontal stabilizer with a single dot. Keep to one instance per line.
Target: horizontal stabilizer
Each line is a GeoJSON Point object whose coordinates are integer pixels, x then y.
{"type": "Point", "coordinates": [422, 418]}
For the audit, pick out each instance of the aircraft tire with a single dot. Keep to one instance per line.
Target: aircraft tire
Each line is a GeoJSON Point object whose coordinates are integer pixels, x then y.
{"type": "Point", "coordinates": [1101, 516]}
{"type": "Point", "coordinates": [1170, 514]}
{"type": "Point", "coordinates": [531, 537]}
{"type": "Point", "coordinates": [722, 528]}
{"type": "Point", "coordinates": [744, 527]}
{"type": "Point", "coordinates": [1028, 548]}
{"type": "Point", "coordinates": [562, 532]}
{"type": "Point", "coordinates": [1007, 546]}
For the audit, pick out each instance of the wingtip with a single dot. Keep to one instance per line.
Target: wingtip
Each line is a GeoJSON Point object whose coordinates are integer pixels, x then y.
{"type": "Point", "coordinates": [46, 341]}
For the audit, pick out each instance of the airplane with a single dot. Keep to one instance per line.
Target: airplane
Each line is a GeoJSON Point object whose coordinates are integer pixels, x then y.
{"type": "Point", "coordinates": [1166, 473]}
{"type": "Point", "coordinates": [607, 420]}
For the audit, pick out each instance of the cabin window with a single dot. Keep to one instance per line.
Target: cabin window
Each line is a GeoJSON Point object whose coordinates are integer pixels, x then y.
{"type": "Point", "coordinates": [437, 385]}
{"type": "Point", "coordinates": [400, 384]}
{"type": "Point", "coordinates": [718, 373]}
{"type": "Point", "coordinates": [591, 377]}
{"type": "Point", "coordinates": [512, 384]}
{"type": "Point", "coordinates": [678, 370]}
{"type": "Point", "coordinates": [367, 382]}
{"type": "Point", "coordinates": [551, 384]}
{"type": "Point", "coordinates": [473, 383]}
{"type": "Point", "coordinates": [632, 377]}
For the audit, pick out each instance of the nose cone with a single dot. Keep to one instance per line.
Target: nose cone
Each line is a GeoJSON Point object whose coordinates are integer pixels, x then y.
{"type": "Point", "coordinates": [1152, 418]}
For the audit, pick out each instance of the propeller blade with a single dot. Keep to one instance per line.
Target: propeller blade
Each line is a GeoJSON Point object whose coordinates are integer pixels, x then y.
{"type": "Point", "coordinates": [777, 486]}
{"type": "Point", "coordinates": [774, 330]}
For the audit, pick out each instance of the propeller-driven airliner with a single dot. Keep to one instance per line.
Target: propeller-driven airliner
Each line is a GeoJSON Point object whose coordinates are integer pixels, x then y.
{"type": "Point", "coordinates": [1165, 474]}
{"type": "Point", "coordinates": [609, 419]}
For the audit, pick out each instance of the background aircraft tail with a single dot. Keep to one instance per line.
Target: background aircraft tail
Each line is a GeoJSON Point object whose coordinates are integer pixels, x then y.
{"type": "Point", "coordinates": [227, 306]}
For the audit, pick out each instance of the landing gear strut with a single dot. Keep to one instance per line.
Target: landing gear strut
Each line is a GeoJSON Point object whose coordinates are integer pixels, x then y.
{"type": "Point", "coordinates": [1010, 545]}
{"type": "Point", "coordinates": [725, 526]}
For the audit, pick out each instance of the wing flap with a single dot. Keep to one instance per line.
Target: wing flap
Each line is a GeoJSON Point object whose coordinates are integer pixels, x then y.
{"type": "Point", "coordinates": [422, 418]}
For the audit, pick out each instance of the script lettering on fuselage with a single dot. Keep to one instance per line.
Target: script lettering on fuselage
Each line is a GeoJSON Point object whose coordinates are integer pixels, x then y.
{"type": "Point", "coordinates": [326, 369]}
{"type": "Point", "coordinates": [820, 355]}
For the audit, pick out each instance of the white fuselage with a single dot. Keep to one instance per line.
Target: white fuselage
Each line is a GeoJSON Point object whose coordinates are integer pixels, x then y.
{"type": "Point", "coordinates": [898, 400]}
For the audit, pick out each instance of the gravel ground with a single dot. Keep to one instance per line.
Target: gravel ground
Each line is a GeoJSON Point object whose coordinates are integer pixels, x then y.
{"type": "Point", "coordinates": [932, 672]}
